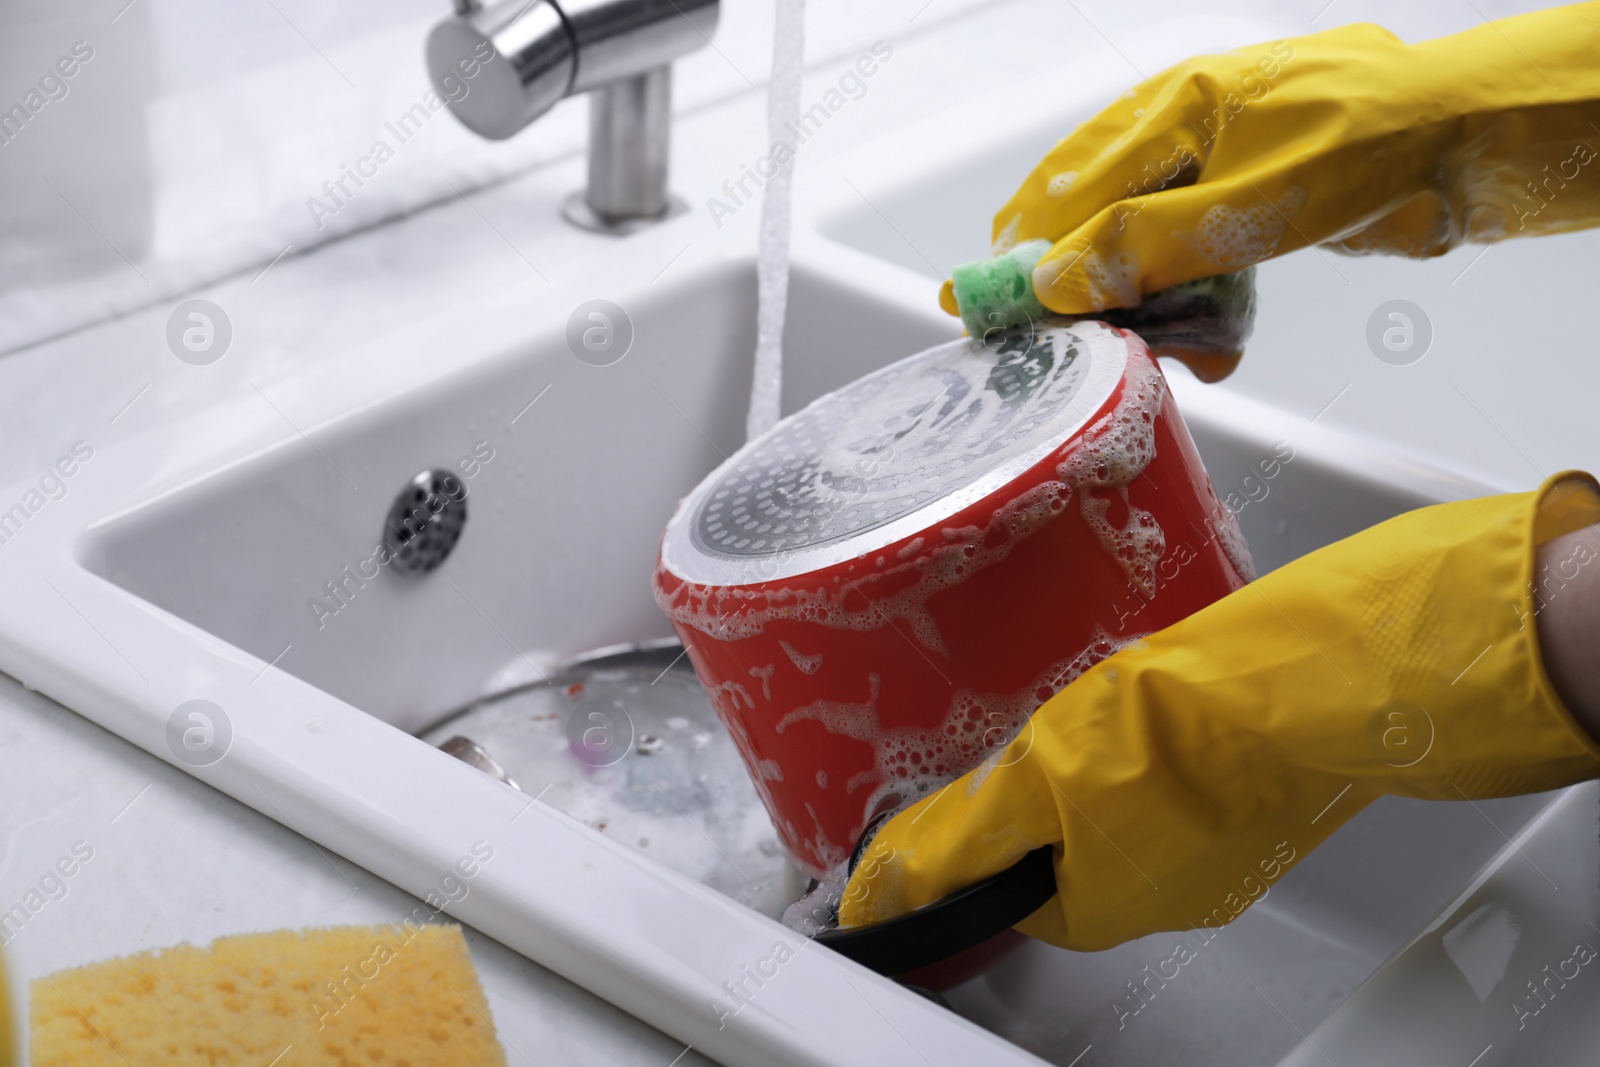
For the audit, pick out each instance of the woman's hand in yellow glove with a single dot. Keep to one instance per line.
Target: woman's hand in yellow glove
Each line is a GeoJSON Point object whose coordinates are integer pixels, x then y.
{"type": "Point", "coordinates": [1178, 779]}
{"type": "Point", "coordinates": [1348, 137]}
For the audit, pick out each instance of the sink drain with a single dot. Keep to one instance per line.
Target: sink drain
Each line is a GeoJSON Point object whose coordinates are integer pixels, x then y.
{"type": "Point", "coordinates": [425, 521]}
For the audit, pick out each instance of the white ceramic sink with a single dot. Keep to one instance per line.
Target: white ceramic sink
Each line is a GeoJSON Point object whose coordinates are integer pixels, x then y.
{"type": "Point", "coordinates": [186, 570]}
{"type": "Point", "coordinates": [203, 576]}
{"type": "Point", "coordinates": [1503, 976]}
{"type": "Point", "coordinates": [187, 574]}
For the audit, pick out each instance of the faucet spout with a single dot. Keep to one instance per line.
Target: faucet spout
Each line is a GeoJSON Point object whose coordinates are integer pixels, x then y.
{"type": "Point", "coordinates": [528, 56]}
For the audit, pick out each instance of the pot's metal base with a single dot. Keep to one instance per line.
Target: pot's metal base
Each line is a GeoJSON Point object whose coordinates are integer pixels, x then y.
{"type": "Point", "coordinates": [576, 210]}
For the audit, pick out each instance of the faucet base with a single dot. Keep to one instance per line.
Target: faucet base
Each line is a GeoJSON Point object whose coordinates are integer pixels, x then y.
{"type": "Point", "coordinates": [576, 210]}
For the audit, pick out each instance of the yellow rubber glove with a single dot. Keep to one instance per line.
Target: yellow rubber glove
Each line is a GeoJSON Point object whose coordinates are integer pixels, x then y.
{"type": "Point", "coordinates": [1179, 778]}
{"type": "Point", "coordinates": [8, 1033]}
{"type": "Point", "coordinates": [1349, 137]}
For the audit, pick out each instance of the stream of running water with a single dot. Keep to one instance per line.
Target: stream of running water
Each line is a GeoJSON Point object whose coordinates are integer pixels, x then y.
{"type": "Point", "coordinates": [772, 260]}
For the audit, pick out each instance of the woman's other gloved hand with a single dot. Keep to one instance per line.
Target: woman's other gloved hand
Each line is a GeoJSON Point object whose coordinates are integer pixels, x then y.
{"type": "Point", "coordinates": [1348, 138]}
{"type": "Point", "coordinates": [1181, 777]}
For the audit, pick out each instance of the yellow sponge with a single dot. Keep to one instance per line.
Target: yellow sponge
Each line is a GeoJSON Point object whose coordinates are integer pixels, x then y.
{"type": "Point", "coordinates": [8, 1037]}
{"type": "Point", "coordinates": [374, 996]}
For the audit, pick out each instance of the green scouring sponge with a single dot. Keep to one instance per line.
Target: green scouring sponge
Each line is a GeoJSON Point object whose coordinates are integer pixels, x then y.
{"type": "Point", "coordinates": [1204, 322]}
{"type": "Point", "coordinates": [998, 292]}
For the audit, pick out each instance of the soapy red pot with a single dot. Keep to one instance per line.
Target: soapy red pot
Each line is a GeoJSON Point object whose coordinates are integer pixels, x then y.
{"type": "Point", "coordinates": [863, 684]}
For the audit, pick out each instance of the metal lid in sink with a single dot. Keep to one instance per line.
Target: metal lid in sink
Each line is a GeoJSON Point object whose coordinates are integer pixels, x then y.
{"type": "Point", "coordinates": [627, 742]}
{"type": "Point", "coordinates": [893, 452]}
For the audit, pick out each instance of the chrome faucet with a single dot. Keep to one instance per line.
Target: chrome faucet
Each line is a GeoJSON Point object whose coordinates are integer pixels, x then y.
{"type": "Point", "coordinates": [517, 58]}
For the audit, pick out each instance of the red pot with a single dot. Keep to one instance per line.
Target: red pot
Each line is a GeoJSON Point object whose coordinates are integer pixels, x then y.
{"type": "Point", "coordinates": [879, 592]}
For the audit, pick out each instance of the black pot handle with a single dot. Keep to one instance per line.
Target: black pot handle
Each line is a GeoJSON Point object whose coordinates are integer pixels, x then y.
{"type": "Point", "coordinates": [953, 924]}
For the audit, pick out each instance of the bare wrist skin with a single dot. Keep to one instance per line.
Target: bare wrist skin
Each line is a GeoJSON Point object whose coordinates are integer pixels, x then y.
{"type": "Point", "coordinates": [1569, 621]}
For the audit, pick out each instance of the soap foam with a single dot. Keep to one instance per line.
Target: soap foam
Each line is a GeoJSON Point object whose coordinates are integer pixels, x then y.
{"type": "Point", "coordinates": [1398, 232]}
{"type": "Point", "coordinates": [1109, 280]}
{"type": "Point", "coordinates": [1115, 452]}
{"type": "Point", "coordinates": [806, 664]}
{"type": "Point", "coordinates": [1006, 239]}
{"type": "Point", "coordinates": [858, 721]}
{"type": "Point", "coordinates": [1482, 200]}
{"type": "Point", "coordinates": [833, 856]}
{"type": "Point", "coordinates": [912, 762]}
{"type": "Point", "coordinates": [765, 674]}
{"type": "Point", "coordinates": [1234, 546]}
{"type": "Point", "coordinates": [911, 549]}
{"type": "Point", "coordinates": [1060, 183]}
{"type": "Point", "coordinates": [1234, 238]}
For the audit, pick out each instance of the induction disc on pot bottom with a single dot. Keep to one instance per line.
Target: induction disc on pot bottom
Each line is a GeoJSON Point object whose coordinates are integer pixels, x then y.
{"type": "Point", "coordinates": [893, 453]}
